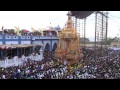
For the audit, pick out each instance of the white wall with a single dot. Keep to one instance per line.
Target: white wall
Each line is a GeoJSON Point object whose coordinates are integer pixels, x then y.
{"type": "Point", "coordinates": [11, 42]}
{"type": "Point", "coordinates": [1, 43]}
{"type": "Point", "coordinates": [37, 42]}
{"type": "Point", "coordinates": [1, 37]}
{"type": "Point", "coordinates": [25, 42]}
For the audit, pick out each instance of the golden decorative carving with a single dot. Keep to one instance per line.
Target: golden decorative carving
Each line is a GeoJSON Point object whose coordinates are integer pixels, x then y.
{"type": "Point", "coordinates": [69, 44]}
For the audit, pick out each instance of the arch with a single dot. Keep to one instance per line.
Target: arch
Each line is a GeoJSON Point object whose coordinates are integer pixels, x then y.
{"type": "Point", "coordinates": [53, 42]}
{"type": "Point", "coordinates": [54, 47]}
{"type": "Point", "coordinates": [47, 48]}
{"type": "Point", "coordinates": [37, 48]}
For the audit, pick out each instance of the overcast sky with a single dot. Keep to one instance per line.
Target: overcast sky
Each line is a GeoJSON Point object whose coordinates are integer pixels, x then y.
{"type": "Point", "coordinates": [38, 19]}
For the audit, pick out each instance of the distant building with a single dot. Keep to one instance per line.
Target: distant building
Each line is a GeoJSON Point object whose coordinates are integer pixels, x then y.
{"type": "Point", "coordinates": [86, 40]}
{"type": "Point", "coordinates": [115, 44]}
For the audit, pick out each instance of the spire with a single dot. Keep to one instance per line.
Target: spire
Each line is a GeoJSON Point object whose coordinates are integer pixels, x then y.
{"type": "Point", "coordinates": [69, 22]}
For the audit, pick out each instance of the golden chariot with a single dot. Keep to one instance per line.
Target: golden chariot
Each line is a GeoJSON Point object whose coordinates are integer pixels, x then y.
{"type": "Point", "coordinates": [69, 44]}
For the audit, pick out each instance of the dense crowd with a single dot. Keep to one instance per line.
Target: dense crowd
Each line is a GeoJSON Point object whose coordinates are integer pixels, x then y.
{"type": "Point", "coordinates": [45, 69]}
{"type": "Point", "coordinates": [106, 66]}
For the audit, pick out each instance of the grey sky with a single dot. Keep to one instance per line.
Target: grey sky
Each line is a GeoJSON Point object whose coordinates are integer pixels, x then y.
{"type": "Point", "coordinates": [38, 19]}
{"type": "Point", "coordinates": [113, 25]}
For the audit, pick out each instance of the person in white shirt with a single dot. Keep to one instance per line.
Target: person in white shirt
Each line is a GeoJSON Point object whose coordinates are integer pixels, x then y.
{"type": "Point", "coordinates": [18, 70]}
{"type": "Point", "coordinates": [42, 66]}
{"type": "Point", "coordinates": [3, 76]}
{"type": "Point", "coordinates": [67, 77]}
{"type": "Point", "coordinates": [23, 58]}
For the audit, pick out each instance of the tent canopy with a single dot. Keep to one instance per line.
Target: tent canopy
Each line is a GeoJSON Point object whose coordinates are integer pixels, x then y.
{"type": "Point", "coordinates": [81, 14]}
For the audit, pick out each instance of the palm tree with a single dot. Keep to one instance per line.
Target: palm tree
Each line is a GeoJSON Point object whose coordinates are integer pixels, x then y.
{"type": "Point", "coordinates": [17, 30]}
{"type": "Point", "coordinates": [11, 31]}
{"type": "Point", "coordinates": [33, 30]}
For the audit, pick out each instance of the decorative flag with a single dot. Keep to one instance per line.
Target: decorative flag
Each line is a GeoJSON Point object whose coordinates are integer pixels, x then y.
{"type": "Point", "coordinates": [2, 27]}
{"type": "Point", "coordinates": [2, 30]}
{"type": "Point", "coordinates": [17, 30]}
{"type": "Point", "coordinates": [25, 30]}
{"type": "Point", "coordinates": [41, 31]}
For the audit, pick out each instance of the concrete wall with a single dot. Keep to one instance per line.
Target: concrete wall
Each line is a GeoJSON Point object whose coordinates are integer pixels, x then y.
{"type": "Point", "coordinates": [12, 42]}
{"type": "Point", "coordinates": [1, 43]}
{"type": "Point", "coordinates": [10, 39]}
{"type": "Point", "coordinates": [37, 42]}
{"type": "Point", "coordinates": [25, 42]}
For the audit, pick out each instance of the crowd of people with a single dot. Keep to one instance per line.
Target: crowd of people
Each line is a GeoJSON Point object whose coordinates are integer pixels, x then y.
{"type": "Point", "coordinates": [106, 66]}
{"type": "Point", "coordinates": [45, 69]}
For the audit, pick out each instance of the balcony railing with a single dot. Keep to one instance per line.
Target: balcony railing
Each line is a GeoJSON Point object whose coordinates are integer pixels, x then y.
{"type": "Point", "coordinates": [24, 37]}
{"type": "Point", "coordinates": [44, 37]}
{"type": "Point", "coordinates": [8, 37]}
{"type": "Point", "coordinates": [14, 37]}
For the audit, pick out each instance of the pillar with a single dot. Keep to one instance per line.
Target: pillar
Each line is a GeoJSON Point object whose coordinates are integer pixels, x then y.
{"type": "Point", "coordinates": [57, 33]}
{"type": "Point", "coordinates": [3, 40]}
{"type": "Point", "coordinates": [17, 52]}
{"type": "Point", "coordinates": [1, 54]}
{"type": "Point", "coordinates": [24, 51]}
{"type": "Point", "coordinates": [21, 52]}
{"type": "Point", "coordinates": [50, 44]}
{"type": "Point", "coordinates": [30, 50]}
{"type": "Point", "coordinates": [6, 53]}
{"type": "Point", "coordinates": [41, 55]}
{"type": "Point", "coordinates": [19, 39]}
{"type": "Point", "coordinates": [11, 52]}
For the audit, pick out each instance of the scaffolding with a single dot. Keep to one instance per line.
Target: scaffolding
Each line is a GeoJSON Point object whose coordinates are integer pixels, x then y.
{"type": "Point", "coordinates": [80, 26]}
{"type": "Point", "coordinates": [101, 24]}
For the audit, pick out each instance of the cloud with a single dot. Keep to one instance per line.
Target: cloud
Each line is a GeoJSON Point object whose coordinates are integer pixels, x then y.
{"type": "Point", "coordinates": [26, 19]}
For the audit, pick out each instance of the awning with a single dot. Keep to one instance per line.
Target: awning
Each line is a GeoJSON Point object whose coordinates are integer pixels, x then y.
{"type": "Point", "coordinates": [15, 46]}
{"type": "Point", "coordinates": [81, 14]}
